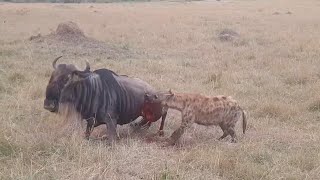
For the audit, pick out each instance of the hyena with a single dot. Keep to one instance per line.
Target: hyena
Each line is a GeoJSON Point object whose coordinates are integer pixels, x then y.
{"type": "Point", "coordinates": [221, 111]}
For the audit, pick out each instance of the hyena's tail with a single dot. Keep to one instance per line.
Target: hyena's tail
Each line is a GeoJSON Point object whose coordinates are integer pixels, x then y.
{"type": "Point", "coordinates": [244, 121]}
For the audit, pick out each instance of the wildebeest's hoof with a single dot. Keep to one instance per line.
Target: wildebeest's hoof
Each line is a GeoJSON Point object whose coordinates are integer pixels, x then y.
{"type": "Point", "coordinates": [150, 139]}
{"type": "Point", "coordinates": [161, 133]}
{"type": "Point", "coordinates": [167, 143]}
{"type": "Point", "coordinates": [110, 143]}
{"type": "Point", "coordinates": [133, 125]}
{"type": "Point", "coordinates": [86, 136]}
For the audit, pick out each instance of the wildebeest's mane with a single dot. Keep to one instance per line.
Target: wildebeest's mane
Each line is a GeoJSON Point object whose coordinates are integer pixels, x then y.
{"type": "Point", "coordinates": [93, 94]}
{"type": "Point", "coordinates": [116, 73]}
{"type": "Point", "coordinates": [83, 95]}
{"type": "Point", "coordinates": [107, 76]}
{"type": "Point", "coordinates": [108, 71]}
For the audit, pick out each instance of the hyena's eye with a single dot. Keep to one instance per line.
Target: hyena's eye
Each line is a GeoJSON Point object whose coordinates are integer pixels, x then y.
{"type": "Point", "coordinates": [156, 96]}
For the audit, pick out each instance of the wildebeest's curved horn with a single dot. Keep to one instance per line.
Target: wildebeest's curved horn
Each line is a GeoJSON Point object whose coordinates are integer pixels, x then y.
{"type": "Point", "coordinates": [55, 61]}
{"type": "Point", "coordinates": [87, 69]}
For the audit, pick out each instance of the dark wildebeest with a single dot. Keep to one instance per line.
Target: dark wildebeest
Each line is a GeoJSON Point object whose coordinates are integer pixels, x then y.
{"type": "Point", "coordinates": [100, 97]}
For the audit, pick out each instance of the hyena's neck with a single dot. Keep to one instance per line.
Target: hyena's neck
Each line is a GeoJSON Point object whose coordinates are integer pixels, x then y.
{"type": "Point", "coordinates": [176, 103]}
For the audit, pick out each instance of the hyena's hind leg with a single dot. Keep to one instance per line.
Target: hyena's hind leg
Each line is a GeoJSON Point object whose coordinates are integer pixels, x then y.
{"type": "Point", "coordinates": [232, 134]}
{"type": "Point", "coordinates": [231, 127]}
{"type": "Point", "coordinates": [225, 131]}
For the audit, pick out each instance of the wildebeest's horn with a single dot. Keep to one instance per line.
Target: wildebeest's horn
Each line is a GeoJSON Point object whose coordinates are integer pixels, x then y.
{"type": "Point", "coordinates": [55, 61]}
{"type": "Point", "coordinates": [87, 67]}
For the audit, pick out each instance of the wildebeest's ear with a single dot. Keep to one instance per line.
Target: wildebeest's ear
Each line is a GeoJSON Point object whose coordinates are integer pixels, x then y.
{"type": "Point", "coordinates": [73, 77]}
{"type": "Point", "coordinates": [77, 76]}
{"type": "Point", "coordinates": [81, 74]}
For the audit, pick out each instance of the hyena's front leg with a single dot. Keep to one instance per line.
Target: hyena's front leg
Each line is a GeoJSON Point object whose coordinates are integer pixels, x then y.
{"type": "Point", "coordinates": [163, 118]}
{"type": "Point", "coordinates": [186, 123]}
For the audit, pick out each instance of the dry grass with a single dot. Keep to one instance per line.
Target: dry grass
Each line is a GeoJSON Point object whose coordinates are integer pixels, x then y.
{"type": "Point", "coordinates": [271, 68]}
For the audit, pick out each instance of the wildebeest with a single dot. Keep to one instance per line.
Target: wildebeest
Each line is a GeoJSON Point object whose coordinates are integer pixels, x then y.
{"type": "Point", "coordinates": [221, 111]}
{"type": "Point", "coordinates": [100, 97]}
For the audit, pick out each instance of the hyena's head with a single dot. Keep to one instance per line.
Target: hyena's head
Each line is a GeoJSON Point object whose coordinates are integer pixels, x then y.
{"type": "Point", "coordinates": [159, 97]}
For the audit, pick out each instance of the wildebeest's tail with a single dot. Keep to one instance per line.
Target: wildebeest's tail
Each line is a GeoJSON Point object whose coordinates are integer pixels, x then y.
{"type": "Point", "coordinates": [244, 121]}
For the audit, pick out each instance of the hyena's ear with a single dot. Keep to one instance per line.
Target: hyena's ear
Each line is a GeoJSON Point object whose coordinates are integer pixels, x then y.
{"type": "Point", "coordinates": [170, 95]}
{"type": "Point", "coordinates": [150, 97]}
{"type": "Point", "coordinates": [170, 92]}
{"type": "Point", "coordinates": [146, 96]}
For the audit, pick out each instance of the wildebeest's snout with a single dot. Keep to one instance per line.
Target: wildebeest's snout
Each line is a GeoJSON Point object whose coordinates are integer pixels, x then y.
{"type": "Point", "coordinates": [50, 105]}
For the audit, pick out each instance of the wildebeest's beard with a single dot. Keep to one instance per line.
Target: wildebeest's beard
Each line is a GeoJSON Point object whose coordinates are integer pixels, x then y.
{"type": "Point", "coordinates": [81, 94]}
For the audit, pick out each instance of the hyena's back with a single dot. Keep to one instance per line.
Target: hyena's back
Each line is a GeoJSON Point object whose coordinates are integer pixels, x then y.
{"type": "Point", "coordinates": [217, 110]}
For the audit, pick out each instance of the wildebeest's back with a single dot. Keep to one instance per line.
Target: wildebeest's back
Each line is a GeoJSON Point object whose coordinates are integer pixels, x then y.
{"type": "Point", "coordinates": [116, 98]}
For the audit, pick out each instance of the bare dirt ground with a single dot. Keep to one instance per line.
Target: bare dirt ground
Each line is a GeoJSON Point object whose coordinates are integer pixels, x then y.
{"type": "Point", "coordinates": [266, 54]}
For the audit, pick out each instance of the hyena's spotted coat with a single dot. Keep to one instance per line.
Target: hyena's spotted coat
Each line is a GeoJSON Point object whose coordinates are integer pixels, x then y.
{"type": "Point", "coordinates": [221, 111]}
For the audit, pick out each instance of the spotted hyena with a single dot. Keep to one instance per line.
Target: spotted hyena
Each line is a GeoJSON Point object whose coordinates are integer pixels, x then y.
{"type": "Point", "coordinates": [221, 111]}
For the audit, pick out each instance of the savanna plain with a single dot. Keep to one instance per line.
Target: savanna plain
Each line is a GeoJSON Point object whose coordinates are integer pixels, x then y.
{"type": "Point", "coordinates": [266, 54]}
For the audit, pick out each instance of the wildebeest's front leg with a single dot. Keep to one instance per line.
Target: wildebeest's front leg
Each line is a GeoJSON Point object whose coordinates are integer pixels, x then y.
{"type": "Point", "coordinates": [90, 124]}
{"type": "Point", "coordinates": [111, 122]}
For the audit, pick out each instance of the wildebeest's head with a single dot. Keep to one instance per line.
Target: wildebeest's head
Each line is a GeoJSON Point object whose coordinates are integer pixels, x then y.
{"type": "Point", "coordinates": [159, 97]}
{"type": "Point", "coordinates": [58, 80]}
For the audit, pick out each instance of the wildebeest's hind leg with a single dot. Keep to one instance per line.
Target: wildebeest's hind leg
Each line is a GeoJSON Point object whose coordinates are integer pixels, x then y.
{"type": "Point", "coordinates": [142, 123]}
{"type": "Point", "coordinates": [145, 124]}
{"type": "Point", "coordinates": [225, 131]}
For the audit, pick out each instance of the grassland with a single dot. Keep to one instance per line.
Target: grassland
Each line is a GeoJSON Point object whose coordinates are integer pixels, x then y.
{"type": "Point", "coordinates": [271, 68]}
